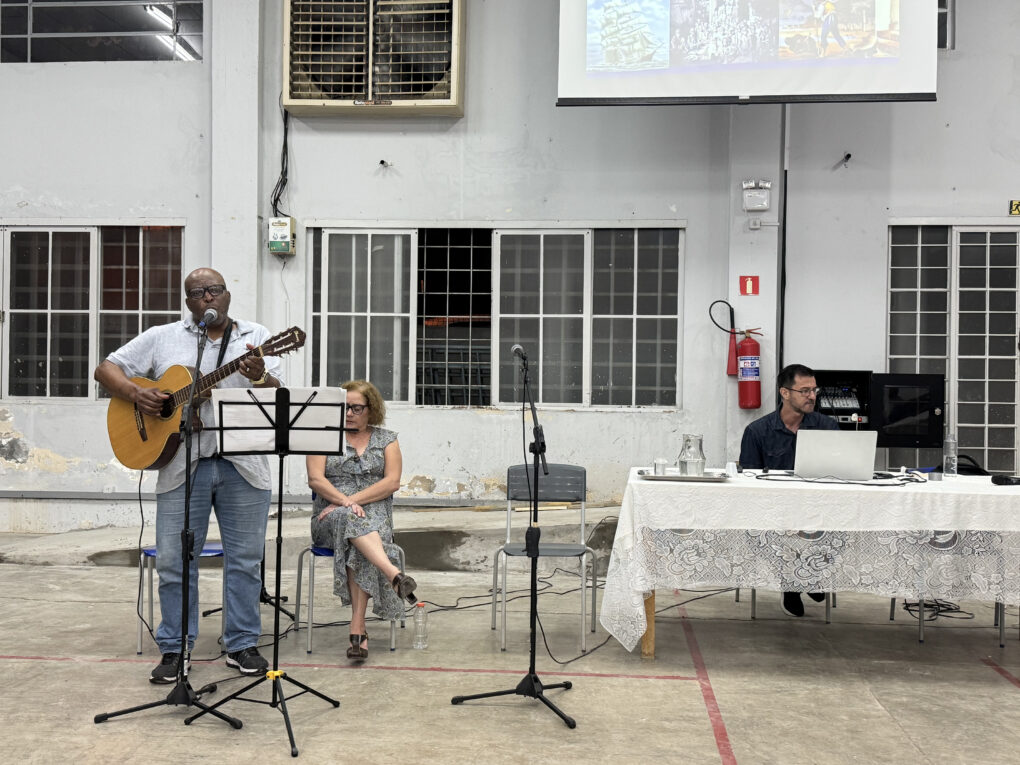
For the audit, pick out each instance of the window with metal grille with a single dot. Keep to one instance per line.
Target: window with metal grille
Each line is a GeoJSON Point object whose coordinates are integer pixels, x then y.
{"type": "Point", "coordinates": [75, 294]}
{"type": "Point", "coordinates": [37, 31]}
{"type": "Point", "coordinates": [372, 53]}
{"type": "Point", "coordinates": [953, 311]}
{"type": "Point", "coordinates": [598, 312]}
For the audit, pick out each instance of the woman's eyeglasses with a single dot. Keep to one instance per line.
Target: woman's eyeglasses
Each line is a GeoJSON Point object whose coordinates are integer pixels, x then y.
{"type": "Point", "coordinates": [357, 408]}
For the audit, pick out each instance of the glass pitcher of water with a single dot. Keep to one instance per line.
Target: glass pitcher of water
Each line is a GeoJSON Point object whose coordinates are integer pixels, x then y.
{"type": "Point", "coordinates": [691, 460]}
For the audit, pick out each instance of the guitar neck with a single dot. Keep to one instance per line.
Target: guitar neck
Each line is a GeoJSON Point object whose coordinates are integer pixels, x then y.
{"type": "Point", "coordinates": [211, 380]}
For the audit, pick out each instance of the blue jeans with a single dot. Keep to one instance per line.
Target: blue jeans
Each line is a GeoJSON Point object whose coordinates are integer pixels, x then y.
{"type": "Point", "coordinates": [242, 512]}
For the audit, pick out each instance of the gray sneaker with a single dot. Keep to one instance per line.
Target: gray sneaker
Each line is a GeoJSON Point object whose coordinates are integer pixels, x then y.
{"type": "Point", "coordinates": [166, 670]}
{"type": "Point", "coordinates": [248, 661]}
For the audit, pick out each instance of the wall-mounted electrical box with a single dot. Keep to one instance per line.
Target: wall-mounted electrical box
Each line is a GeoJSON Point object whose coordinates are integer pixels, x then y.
{"type": "Point", "coordinates": [281, 236]}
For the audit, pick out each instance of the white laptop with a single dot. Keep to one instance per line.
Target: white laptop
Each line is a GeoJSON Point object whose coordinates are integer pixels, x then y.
{"type": "Point", "coordinates": [847, 455]}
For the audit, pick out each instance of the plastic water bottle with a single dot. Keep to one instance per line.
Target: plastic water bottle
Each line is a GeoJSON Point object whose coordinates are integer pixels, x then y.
{"type": "Point", "coordinates": [421, 626]}
{"type": "Point", "coordinates": [949, 456]}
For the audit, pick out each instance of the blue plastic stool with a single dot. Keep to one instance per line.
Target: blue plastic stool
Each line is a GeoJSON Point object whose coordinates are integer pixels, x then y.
{"type": "Point", "coordinates": [326, 552]}
{"type": "Point", "coordinates": [147, 558]}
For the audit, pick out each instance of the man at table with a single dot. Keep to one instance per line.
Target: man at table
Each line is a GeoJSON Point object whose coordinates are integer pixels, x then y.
{"type": "Point", "coordinates": [771, 441]}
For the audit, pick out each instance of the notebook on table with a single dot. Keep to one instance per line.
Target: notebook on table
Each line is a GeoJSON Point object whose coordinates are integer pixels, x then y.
{"type": "Point", "coordinates": [847, 455]}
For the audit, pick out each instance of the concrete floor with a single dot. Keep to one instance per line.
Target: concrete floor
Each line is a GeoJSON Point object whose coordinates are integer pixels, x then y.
{"type": "Point", "coordinates": [722, 688]}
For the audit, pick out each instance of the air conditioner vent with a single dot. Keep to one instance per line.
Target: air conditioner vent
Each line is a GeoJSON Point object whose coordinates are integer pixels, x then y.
{"type": "Point", "coordinates": [374, 55]}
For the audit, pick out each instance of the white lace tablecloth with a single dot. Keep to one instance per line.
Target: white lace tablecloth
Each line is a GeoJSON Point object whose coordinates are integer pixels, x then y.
{"type": "Point", "coordinates": [954, 539]}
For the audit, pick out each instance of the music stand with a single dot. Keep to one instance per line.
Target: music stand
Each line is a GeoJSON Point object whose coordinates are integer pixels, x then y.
{"type": "Point", "coordinates": [279, 421]}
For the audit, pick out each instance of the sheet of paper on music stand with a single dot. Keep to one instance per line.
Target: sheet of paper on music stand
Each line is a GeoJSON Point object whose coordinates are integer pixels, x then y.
{"type": "Point", "coordinates": [245, 427]}
{"type": "Point", "coordinates": [318, 429]}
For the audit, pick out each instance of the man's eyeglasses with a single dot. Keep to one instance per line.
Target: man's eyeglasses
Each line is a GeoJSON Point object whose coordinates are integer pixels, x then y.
{"type": "Point", "coordinates": [806, 391]}
{"type": "Point", "coordinates": [197, 293]}
{"type": "Point", "coordinates": [357, 408]}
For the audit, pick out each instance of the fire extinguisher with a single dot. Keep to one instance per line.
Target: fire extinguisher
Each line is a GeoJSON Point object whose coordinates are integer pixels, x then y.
{"type": "Point", "coordinates": [749, 371]}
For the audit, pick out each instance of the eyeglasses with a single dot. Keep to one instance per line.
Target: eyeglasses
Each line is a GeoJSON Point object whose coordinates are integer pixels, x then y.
{"type": "Point", "coordinates": [806, 391]}
{"type": "Point", "coordinates": [357, 408]}
{"type": "Point", "coordinates": [197, 293]}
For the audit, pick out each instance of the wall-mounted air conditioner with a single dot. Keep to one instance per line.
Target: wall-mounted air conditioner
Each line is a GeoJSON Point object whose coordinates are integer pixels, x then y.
{"type": "Point", "coordinates": [373, 56]}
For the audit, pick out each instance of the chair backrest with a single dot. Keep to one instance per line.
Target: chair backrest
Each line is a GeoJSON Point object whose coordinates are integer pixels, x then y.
{"type": "Point", "coordinates": [565, 483]}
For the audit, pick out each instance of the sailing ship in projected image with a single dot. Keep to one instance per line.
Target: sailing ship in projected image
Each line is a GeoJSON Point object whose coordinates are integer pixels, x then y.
{"type": "Point", "coordinates": [621, 37]}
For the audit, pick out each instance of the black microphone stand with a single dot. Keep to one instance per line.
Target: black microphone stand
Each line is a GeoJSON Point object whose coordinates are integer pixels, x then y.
{"type": "Point", "coordinates": [183, 694]}
{"type": "Point", "coordinates": [531, 686]}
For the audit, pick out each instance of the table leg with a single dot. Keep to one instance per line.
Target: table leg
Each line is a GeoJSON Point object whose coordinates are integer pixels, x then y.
{"type": "Point", "coordinates": [648, 639]}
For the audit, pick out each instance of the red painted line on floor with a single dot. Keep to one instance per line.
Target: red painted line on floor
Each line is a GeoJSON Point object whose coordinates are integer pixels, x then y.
{"type": "Point", "coordinates": [1002, 672]}
{"type": "Point", "coordinates": [722, 739]}
{"type": "Point", "coordinates": [285, 665]}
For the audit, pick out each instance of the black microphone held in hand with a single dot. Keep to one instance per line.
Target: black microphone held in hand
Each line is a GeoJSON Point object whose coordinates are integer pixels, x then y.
{"type": "Point", "coordinates": [517, 350]}
{"type": "Point", "coordinates": [209, 317]}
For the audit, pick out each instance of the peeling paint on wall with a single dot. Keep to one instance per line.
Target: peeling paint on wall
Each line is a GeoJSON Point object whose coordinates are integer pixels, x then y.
{"type": "Point", "coordinates": [13, 449]}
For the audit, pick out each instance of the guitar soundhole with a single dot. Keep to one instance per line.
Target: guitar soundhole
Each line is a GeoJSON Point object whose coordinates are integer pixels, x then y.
{"type": "Point", "coordinates": [168, 407]}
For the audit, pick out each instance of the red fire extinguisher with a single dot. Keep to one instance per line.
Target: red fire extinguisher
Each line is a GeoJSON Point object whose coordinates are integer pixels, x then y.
{"type": "Point", "coordinates": [749, 371]}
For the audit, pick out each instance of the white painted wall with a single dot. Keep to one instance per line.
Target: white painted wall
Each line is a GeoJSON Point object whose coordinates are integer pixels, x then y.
{"type": "Point", "coordinates": [100, 142]}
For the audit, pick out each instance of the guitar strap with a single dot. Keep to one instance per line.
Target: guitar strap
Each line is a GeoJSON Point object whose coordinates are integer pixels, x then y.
{"type": "Point", "coordinates": [224, 341]}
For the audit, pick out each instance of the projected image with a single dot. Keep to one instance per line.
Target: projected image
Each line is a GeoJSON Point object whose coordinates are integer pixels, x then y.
{"type": "Point", "coordinates": [723, 31]}
{"type": "Point", "coordinates": [627, 36]}
{"type": "Point", "coordinates": [839, 29]}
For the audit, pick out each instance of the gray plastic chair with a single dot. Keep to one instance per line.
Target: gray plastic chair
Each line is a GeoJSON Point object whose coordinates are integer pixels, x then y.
{"type": "Point", "coordinates": [565, 483]}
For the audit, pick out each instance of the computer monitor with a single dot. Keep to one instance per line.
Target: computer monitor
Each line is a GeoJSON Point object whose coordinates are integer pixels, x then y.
{"type": "Point", "coordinates": [908, 410]}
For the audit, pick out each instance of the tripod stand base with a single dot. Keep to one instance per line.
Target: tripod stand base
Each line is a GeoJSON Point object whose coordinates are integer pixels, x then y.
{"type": "Point", "coordinates": [181, 695]}
{"type": "Point", "coordinates": [531, 687]}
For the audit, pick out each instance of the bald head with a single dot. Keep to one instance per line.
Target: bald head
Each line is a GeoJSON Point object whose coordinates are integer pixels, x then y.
{"type": "Point", "coordinates": [206, 279]}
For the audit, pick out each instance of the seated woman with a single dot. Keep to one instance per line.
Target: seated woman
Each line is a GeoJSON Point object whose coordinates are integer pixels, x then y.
{"type": "Point", "coordinates": [353, 515]}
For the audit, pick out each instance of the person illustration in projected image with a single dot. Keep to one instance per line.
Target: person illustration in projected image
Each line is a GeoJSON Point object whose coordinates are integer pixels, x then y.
{"type": "Point", "coordinates": [830, 25]}
{"type": "Point", "coordinates": [353, 515]}
{"type": "Point", "coordinates": [771, 441]}
{"type": "Point", "coordinates": [237, 486]}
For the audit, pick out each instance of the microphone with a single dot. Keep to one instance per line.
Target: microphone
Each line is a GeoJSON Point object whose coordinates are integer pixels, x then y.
{"type": "Point", "coordinates": [517, 350]}
{"type": "Point", "coordinates": [209, 317]}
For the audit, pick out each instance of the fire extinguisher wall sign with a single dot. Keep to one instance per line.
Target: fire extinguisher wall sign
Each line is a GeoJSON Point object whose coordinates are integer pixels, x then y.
{"type": "Point", "coordinates": [749, 372]}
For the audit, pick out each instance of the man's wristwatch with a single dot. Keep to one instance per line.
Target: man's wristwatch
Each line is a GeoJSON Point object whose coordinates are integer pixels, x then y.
{"type": "Point", "coordinates": [261, 380]}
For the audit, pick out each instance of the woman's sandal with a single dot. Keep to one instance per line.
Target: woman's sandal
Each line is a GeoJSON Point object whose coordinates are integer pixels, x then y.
{"type": "Point", "coordinates": [405, 586]}
{"type": "Point", "coordinates": [356, 652]}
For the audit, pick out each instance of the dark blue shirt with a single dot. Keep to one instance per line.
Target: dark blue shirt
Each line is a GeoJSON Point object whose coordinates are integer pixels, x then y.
{"type": "Point", "coordinates": [767, 442]}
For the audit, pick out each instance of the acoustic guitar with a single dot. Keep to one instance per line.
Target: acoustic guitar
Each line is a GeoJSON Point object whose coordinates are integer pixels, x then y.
{"type": "Point", "coordinates": [144, 442]}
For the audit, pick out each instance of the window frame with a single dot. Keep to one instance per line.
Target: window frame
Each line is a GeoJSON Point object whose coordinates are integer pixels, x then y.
{"type": "Point", "coordinates": [348, 226]}
{"type": "Point", "coordinates": [94, 228]}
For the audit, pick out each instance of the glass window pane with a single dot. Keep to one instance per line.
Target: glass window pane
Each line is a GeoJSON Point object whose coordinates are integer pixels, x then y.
{"type": "Point", "coordinates": [162, 259]}
{"type": "Point", "coordinates": [972, 324]}
{"type": "Point", "coordinates": [974, 256]}
{"type": "Point", "coordinates": [969, 345]}
{"type": "Point", "coordinates": [1002, 301]}
{"type": "Point", "coordinates": [525, 332]}
{"type": "Point", "coordinates": [1002, 438]}
{"type": "Point", "coordinates": [1002, 278]}
{"type": "Point", "coordinates": [935, 235]}
{"type": "Point", "coordinates": [658, 272]}
{"type": "Point", "coordinates": [613, 276]}
{"type": "Point", "coordinates": [903, 234]}
{"type": "Point", "coordinates": [972, 300]}
{"type": "Point", "coordinates": [934, 323]}
{"type": "Point", "coordinates": [1002, 256]}
{"type": "Point", "coordinates": [903, 257]}
{"type": "Point", "coordinates": [903, 366]}
{"type": "Point", "coordinates": [931, 367]}
{"type": "Point", "coordinates": [27, 361]}
{"type": "Point", "coordinates": [932, 345]}
{"type": "Point", "coordinates": [1001, 369]}
{"type": "Point", "coordinates": [971, 391]}
{"type": "Point", "coordinates": [612, 374]}
{"type": "Point", "coordinates": [391, 269]}
{"type": "Point", "coordinates": [562, 357]}
{"type": "Point", "coordinates": [1001, 461]}
{"type": "Point", "coordinates": [903, 301]}
{"type": "Point", "coordinates": [934, 278]}
{"type": "Point", "coordinates": [934, 301]}
{"type": "Point", "coordinates": [1002, 392]}
{"type": "Point", "coordinates": [348, 349]}
{"type": "Point", "coordinates": [971, 438]}
{"type": "Point", "coordinates": [971, 369]}
{"type": "Point", "coordinates": [70, 277]}
{"type": "Point", "coordinates": [971, 414]}
{"type": "Point", "coordinates": [656, 374]}
{"type": "Point", "coordinates": [389, 355]}
{"type": "Point", "coordinates": [119, 269]}
{"type": "Point", "coordinates": [69, 354]}
{"type": "Point", "coordinates": [115, 330]}
{"type": "Point", "coordinates": [971, 278]}
{"type": "Point", "coordinates": [30, 266]}
{"type": "Point", "coordinates": [903, 323]}
{"type": "Point", "coordinates": [973, 237]}
{"type": "Point", "coordinates": [935, 257]}
{"type": "Point", "coordinates": [1001, 345]}
{"type": "Point", "coordinates": [903, 278]}
{"type": "Point", "coordinates": [563, 274]}
{"type": "Point", "coordinates": [348, 273]}
{"type": "Point", "coordinates": [902, 345]}
{"type": "Point", "coordinates": [1001, 414]}
{"type": "Point", "coordinates": [519, 259]}
{"type": "Point", "coordinates": [1002, 323]}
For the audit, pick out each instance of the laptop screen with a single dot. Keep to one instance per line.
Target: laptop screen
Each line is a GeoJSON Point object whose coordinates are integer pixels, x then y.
{"type": "Point", "coordinates": [847, 455]}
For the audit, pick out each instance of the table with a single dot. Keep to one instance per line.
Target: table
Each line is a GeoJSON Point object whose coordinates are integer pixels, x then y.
{"type": "Point", "coordinates": [954, 539]}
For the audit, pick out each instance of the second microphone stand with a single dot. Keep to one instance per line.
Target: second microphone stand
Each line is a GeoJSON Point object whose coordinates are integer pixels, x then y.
{"type": "Point", "coordinates": [530, 685]}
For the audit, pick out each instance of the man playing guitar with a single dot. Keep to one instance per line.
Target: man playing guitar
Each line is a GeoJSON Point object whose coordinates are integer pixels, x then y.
{"type": "Point", "coordinates": [238, 486]}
